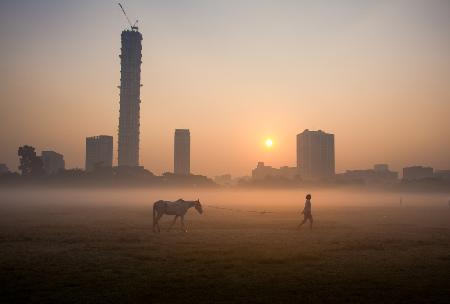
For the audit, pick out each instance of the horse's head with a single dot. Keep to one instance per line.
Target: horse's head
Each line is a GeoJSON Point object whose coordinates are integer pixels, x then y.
{"type": "Point", "coordinates": [198, 206]}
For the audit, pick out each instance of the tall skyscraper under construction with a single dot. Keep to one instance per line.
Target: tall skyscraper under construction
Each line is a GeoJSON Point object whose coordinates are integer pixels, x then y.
{"type": "Point", "coordinates": [130, 85]}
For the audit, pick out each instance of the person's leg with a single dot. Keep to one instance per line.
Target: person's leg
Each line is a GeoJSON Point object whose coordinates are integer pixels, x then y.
{"type": "Point", "coordinates": [304, 221]}
{"type": "Point", "coordinates": [310, 221]}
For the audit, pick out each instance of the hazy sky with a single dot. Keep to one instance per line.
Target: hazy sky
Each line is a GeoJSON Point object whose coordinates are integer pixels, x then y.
{"type": "Point", "coordinates": [374, 73]}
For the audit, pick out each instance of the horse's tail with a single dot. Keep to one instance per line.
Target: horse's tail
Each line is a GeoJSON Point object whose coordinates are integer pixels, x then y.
{"type": "Point", "coordinates": [154, 214]}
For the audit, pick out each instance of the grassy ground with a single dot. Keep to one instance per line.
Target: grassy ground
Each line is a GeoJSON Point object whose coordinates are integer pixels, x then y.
{"type": "Point", "coordinates": [85, 248]}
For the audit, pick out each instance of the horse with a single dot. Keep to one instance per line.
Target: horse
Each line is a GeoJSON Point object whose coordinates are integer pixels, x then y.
{"type": "Point", "coordinates": [177, 208]}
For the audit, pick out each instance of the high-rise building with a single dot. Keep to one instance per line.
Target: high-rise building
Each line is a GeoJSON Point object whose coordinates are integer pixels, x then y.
{"type": "Point", "coordinates": [130, 87]}
{"type": "Point", "coordinates": [99, 152]}
{"type": "Point", "coordinates": [53, 162]}
{"type": "Point", "coordinates": [315, 154]}
{"type": "Point", "coordinates": [182, 152]}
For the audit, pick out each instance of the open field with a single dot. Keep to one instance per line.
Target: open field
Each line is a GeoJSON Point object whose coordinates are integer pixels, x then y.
{"type": "Point", "coordinates": [89, 246]}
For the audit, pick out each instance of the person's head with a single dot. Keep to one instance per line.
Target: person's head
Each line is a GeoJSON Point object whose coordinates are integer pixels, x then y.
{"type": "Point", "coordinates": [308, 196]}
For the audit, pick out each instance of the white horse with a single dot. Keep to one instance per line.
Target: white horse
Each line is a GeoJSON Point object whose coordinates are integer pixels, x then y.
{"type": "Point", "coordinates": [177, 208]}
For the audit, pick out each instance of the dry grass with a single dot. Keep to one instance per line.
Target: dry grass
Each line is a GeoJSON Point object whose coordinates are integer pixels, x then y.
{"type": "Point", "coordinates": [88, 247]}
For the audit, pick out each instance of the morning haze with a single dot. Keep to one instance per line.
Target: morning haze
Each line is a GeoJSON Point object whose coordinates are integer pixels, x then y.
{"type": "Point", "coordinates": [232, 151]}
{"type": "Point", "coordinates": [234, 73]}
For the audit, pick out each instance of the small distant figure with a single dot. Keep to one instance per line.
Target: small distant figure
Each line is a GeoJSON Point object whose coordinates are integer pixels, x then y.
{"type": "Point", "coordinates": [307, 212]}
{"type": "Point", "coordinates": [401, 201]}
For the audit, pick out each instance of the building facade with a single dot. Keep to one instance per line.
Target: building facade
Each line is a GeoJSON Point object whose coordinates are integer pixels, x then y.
{"type": "Point", "coordinates": [99, 152]}
{"type": "Point", "coordinates": [381, 168]}
{"type": "Point", "coordinates": [182, 152]}
{"type": "Point", "coordinates": [53, 162]}
{"type": "Point", "coordinates": [130, 87]}
{"type": "Point", "coordinates": [442, 174]}
{"type": "Point", "coordinates": [380, 174]}
{"type": "Point", "coordinates": [417, 173]}
{"type": "Point", "coordinates": [315, 154]}
{"type": "Point", "coordinates": [262, 172]}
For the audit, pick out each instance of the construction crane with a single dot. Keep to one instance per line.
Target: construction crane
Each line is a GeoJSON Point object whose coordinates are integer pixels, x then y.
{"type": "Point", "coordinates": [133, 26]}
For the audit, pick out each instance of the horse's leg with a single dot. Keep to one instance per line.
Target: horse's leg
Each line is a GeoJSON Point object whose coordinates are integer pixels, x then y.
{"type": "Point", "coordinates": [157, 220]}
{"type": "Point", "coordinates": [154, 216]}
{"type": "Point", "coordinates": [173, 223]}
{"type": "Point", "coordinates": [182, 224]}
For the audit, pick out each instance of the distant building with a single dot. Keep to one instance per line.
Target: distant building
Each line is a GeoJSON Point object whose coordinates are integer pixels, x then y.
{"type": "Point", "coordinates": [417, 173]}
{"type": "Point", "coordinates": [243, 179]}
{"type": "Point", "coordinates": [381, 168]}
{"type": "Point", "coordinates": [315, 154]}
{"type": "Point", "coordinates": [99, 151]}
{"type": "Point", "coordinates": [288, 172]}
{"type": "Point", "coordinates": [223, 180]}
{"type": "Point", "coordinates": [379, 174]}
{"type": "Point", "coordinates": [3, 169]}
{"type": "Point", "coordinates": [182, 152]}
{"type": "Point", "coordinates": [442, 174]}
{"type": "Point", "coordinates": [53, 162]}
{"type": "Point", "coordinates": [130, 86]}
{"type": "Point", "coordinates": [262, 172]}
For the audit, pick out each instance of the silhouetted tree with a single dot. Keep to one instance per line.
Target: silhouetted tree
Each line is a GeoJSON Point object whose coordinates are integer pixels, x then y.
{"type": "Point", "coordinates": [30, 163]}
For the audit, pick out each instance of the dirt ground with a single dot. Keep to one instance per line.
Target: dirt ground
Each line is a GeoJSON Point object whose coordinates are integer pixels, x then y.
{"type": "Point", "coordinates": [97, 246]}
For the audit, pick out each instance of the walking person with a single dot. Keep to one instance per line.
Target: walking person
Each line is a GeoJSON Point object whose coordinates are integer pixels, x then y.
{"type": "Point", "coordinates": [307, 214]}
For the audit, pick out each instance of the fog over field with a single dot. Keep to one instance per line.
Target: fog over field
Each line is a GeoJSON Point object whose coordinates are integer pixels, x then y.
{"type": "Point", "coordinates": [96, 246]}
{"type": "Point", "coordinates": [279, 199]}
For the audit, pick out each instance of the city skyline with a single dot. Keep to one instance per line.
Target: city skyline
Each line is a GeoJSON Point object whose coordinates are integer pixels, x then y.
{"type": "Point", "coordinates": [232, 91]}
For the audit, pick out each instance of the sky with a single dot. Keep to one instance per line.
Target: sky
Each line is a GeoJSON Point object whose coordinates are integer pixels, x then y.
{"type": "Point", "coordinates": [374, 73]}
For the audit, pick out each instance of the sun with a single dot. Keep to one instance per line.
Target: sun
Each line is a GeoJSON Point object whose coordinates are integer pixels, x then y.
{"type": "Point", "coordinates": [268, 143]}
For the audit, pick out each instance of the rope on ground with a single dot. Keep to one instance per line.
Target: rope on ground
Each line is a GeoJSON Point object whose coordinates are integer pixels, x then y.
{"type": "Point", "coordinates": [261, 212]}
